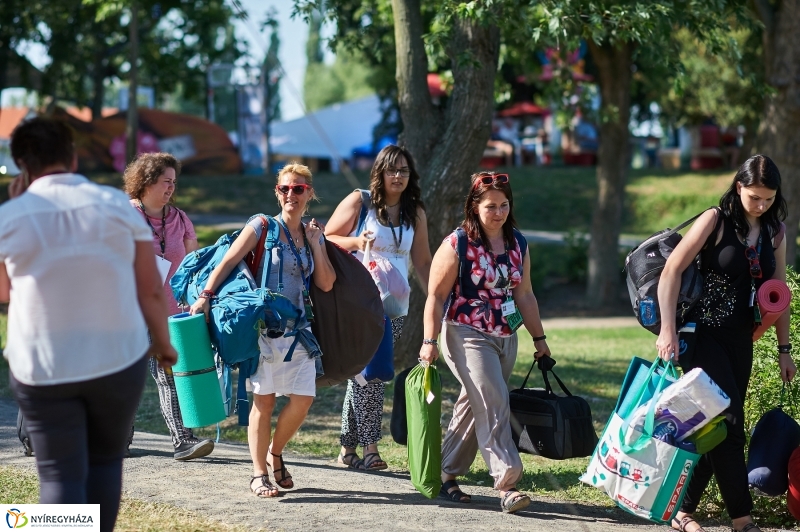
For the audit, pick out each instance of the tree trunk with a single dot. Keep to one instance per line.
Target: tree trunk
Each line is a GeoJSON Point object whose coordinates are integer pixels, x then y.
{"type": "Point", "coordinates": [779, 137]}
{"type": "Point", "coordinates": [614, 67]}
{"type": "Point", "coordinates": [447, 144]}
{"type": "Point", "coordinates": [132, 126]}
{"type": "Point", "coordinates": [98, 82]}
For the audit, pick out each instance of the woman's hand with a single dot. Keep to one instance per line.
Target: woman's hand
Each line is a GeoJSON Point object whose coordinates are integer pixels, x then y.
{"type": "Point", "coordinates": [542, 350]}
{"type": "Point", "coordinates": [364, 239]}
{"type": "Point", "coordinates": [165, 354]}
{"type": "Point", "coordinates": [428, 353]}
{"type": "Point", "coordinates": [315, 232]}
{"type": "Point", "coordinates": [667, 345]}
{"type": "Point", "coordinates": [201, 306]}
{"type": "Point", "coordinates": [787, 366]}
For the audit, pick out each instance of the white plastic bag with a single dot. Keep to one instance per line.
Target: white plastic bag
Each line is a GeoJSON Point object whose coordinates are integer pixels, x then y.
{"type": "Point", "coordinates": [394, 288]}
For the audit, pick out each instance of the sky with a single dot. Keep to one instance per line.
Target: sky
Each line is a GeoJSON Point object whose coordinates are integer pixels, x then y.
{"type": "Point", "coordinates": [293, 34]}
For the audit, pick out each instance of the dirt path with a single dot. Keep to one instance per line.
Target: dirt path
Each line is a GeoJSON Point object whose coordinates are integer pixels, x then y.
{"type": "Point", "coordinates": [327, 497]}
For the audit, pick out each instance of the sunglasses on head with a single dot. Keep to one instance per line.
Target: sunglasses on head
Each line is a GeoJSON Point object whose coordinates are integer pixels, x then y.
{"type": "Point", "coordinates": [755, 267]}
{"type": "Point", "coordinates": [297, 189]}
{"type": "Point", "coordinates": [488, 179]}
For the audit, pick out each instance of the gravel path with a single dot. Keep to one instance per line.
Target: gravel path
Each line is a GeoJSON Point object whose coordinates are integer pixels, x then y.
{"type": "Point", "coordinates": [327, 497]}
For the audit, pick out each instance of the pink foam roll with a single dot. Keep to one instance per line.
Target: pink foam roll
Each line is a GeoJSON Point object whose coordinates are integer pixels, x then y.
{"type": "Point", "coordinates": [774, 298]}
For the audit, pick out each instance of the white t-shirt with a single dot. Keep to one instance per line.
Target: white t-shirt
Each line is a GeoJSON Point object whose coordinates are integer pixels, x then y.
{"type": "Point", "coordinates": [68, 246]}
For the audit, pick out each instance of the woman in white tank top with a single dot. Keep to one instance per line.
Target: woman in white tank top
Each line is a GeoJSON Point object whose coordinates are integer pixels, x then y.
{"type": "Point", "coordinates": [398, 228]}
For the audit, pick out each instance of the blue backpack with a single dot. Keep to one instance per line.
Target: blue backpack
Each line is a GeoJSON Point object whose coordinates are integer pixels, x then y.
{"type": "Point", "coordinates": [241, 309]}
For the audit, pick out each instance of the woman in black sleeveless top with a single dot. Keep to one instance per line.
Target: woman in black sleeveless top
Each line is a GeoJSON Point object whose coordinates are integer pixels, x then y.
{"type": "Point", "coordinates": [737, 260]}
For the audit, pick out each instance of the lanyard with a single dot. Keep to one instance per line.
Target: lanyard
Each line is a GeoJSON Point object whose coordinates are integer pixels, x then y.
{"type": "Point", "coordinates": [391, 227]}
{"type": "Point", "coordinates": [163, 237]}
{"type": "Point", "coordinates": [306, 279]}
{"type": "Point", "coordinates": [504, 282]}
{"type": "Point", "coordinates": [753, 298]}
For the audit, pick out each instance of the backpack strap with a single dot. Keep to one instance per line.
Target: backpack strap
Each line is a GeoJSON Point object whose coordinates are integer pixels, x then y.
{"type": "Point", "coordinates": [778, 238]}
{"type": "Point", "coordinates": [273, 236]}
{"type": "Point", "coordinates": [366, 201]}
{"type": "Point", "coordinates": [253, 259]}
{"type": "Point", "coordinates": [522, 242]}
{"type": "Point", "coordinates": [461, 251]}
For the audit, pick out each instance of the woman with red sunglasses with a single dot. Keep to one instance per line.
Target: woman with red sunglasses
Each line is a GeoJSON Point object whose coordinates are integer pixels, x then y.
{"type": "Point", "coordinates": [396, 226]}
{"type": "Point", "coordinates": [746, 250]}
{"type": "Point", "coordinates": [299, 259]}
{"type": "Point", "coordinates": [488, 295]}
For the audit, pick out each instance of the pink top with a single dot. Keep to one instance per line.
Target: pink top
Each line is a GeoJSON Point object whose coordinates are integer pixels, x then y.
{"type": "Point", "coordinates": [178, 228]}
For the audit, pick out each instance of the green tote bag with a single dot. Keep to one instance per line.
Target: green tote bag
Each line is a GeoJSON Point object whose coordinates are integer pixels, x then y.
{"type": "Point", "coordinates": [424, 410]}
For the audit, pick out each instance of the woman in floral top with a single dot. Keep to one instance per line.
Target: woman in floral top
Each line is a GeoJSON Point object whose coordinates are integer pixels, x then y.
{"type": "Point", "coordinates": [485, 306]}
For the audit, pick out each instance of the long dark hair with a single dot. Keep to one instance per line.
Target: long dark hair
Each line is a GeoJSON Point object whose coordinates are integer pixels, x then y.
{"type": "Point", "coordinates": [758, 170]}
{"type": "Point", "coordinates": [411, 198]}
{"type": "Point", "coordinates": [472, 223]}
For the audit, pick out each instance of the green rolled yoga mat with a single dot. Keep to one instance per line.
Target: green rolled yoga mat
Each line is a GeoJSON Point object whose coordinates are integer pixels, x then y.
{"type": "Point", "coordinates": [195, 375]}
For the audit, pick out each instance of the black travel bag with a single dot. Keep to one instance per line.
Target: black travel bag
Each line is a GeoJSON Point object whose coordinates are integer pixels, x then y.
{"type": "Point", "coordinates": [548, 425]}
{"type": "Point", "coordinates": [399, 424]}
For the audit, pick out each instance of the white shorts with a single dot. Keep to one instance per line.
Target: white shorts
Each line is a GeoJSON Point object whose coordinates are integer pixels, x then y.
{"type": "Point", "coordinates": [274, 376]}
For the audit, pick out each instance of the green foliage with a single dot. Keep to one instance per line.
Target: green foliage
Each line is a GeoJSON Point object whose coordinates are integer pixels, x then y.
{"type": "Point", "coordinates": [577, 251]}
{"type": "Point", "coordinates": [347, 79]}
{"type": "Point", "coordinates": [765, 393]}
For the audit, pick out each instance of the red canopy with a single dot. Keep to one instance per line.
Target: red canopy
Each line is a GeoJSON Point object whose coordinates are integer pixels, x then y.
{"type": "Point", "coordinates": [523, 108]}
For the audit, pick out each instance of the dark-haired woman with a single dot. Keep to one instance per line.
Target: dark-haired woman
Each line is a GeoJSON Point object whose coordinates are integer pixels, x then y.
{"type": "Point", "coordinates": [398, 229]}
{"type": "Point", "coordinates": [150, 181]}
{"type": "Point", "coordinates": [479, 342]}
{"type": "Point", "coordinates": [738, 259]}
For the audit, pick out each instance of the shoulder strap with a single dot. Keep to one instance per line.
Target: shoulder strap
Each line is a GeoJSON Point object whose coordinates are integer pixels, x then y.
{"type": "Point", "coordinates": [713, 236]}
{"type": "Point", "coordinates": [253, 259]}
{"type": "Point", "coordinates": [522, 242]}
{"type": "Point", "coordinates": [273, 235]}
{"type": "Point", "coordinates": [366, 200]}
{"type": "Point", "coordinates": [461, 251]}
{"type": "Point", "coordinates": [778, 238]}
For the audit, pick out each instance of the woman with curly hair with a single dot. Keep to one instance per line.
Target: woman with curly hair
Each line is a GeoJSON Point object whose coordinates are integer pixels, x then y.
{"type": "Point", "coordinates": [398, 229]}
{"type": "Point", "coordinates": [150, 182]}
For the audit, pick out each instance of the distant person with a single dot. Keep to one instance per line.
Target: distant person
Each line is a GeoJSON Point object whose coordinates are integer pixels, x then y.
{"type": "Point", "coordinates": [740, 257]}
{"type": "Point", "coordinates": [298, 260]}
{"type": "Point", "coordinates": [478, 342]}
{"type": "Point", "coordinates": [497, 142]}
{"type": "Point", "coordinates": [509, 132]}
{"type": "Point", "coordinates": [398, 229]}
{"type": "Point", "coordinates": [80, 265]}
{"type": "Point", "coordinates": [150, 181]}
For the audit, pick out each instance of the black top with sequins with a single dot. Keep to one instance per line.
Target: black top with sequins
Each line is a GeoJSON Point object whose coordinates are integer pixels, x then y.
{"type": "Point", "coordinates": [726, 285]}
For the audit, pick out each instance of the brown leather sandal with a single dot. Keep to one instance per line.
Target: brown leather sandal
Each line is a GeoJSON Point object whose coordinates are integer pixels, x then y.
{"type": "Point", "coordinates": [264, 490]}
{"type": "Point", "coordinates": [684, 522]}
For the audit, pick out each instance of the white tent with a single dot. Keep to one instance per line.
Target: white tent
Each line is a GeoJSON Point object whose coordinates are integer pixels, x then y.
{"type": "Point", "coordinates": [344, 125]}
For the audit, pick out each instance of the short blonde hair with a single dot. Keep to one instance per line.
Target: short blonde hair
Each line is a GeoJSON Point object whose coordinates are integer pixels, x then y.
{"type": "Point", "coordinates": [301, 170]}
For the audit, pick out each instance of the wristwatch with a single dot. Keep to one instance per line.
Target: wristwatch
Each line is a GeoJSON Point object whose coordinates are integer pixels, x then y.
{"type": "Point", "coordinates": [430, 341]}
{"type": "Point", "coordinates": [785, 348]}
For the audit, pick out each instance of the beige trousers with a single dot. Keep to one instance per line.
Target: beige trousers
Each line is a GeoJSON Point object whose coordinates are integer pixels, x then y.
{"type": "Point", "coordinates": [482, 364]}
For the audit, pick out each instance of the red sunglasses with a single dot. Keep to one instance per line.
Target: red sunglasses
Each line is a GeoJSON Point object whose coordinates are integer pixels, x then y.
{"type": "Point", "coordinates": [488, 179]}
{"type": "Point", "coordinates": [755, 266]}
{"type": "Point", "coordinates": [297, 189]}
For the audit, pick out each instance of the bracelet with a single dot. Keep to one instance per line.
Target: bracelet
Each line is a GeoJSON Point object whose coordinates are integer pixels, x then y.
{"type": "Point", "coordinates": [207, 294]}
{"type": "Point", "coordinates": [538, 338]}
{"type": "Point", "coordinates": [785, 348]}
{"type": "Point", "coordinates": [430, 341]}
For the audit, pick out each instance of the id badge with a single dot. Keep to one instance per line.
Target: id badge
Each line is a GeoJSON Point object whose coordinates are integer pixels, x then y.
{"type": "Point", "coordinates": [163, 268]}
{"type": "Point", "coordinates": [309, 307]}
{"type": "Point", "coordinates": [508, 308]}
{"type": "Point", "coordinates": [514, 320]}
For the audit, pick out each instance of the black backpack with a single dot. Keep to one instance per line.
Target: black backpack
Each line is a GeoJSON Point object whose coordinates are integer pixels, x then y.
{"type": "Point", "coordinates": [643, 267]}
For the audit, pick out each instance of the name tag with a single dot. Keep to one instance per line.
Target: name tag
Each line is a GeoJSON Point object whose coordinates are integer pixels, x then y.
{"type": "Point", "coordinates": [163, 268]}
{"type": "Point", "coordinates": [508, 308]}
